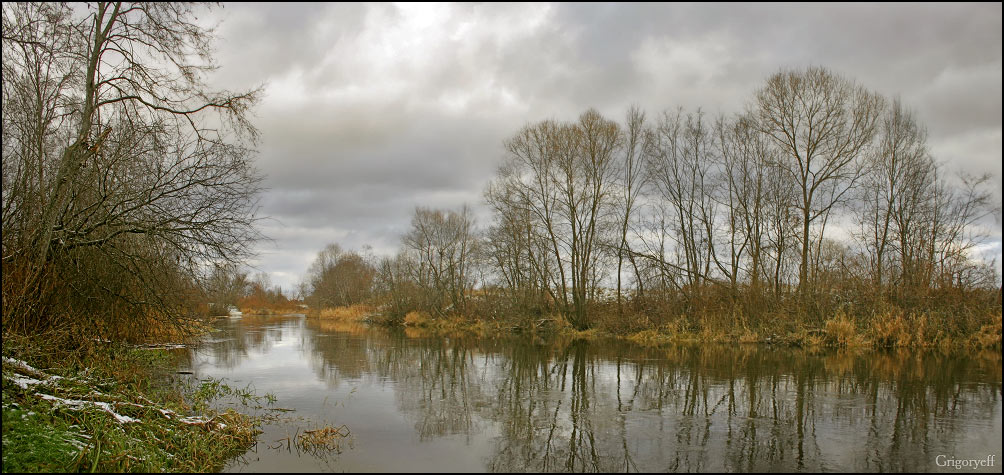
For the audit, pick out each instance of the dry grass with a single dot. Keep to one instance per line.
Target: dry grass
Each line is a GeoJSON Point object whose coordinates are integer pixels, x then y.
{"type": "Point", "coordinates": [989, 335]}
{"type": "Point", "coordinates": [649, 338]}
{"type": "Point", "coordinates": [808, 339]}
{"type": "Point", "coordinates": [158, 331]}
{"type": "Point", "coordinates": [356, 312]}
{"type": "Point", "coordinates": [417, 319]}
{"type": "Point", "coordinates": [351, 327]}
{"type": "Point", "coordinates": [749, 336]}
{"type": "Point", "coordinates": [842, 332]}
{"type": "Point", "coordinates": [587, 335]}
{"type": "Point", "coordinates": [890, 327]}
{"type": "Point", "coordinates": [890, 330]}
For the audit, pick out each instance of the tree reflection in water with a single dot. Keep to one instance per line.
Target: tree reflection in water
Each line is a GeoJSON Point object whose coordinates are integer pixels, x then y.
{"type": "Point", "coordinates": [609, 406]}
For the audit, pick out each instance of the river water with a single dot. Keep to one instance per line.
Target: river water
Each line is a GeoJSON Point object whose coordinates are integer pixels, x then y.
{"type": "Point", "coordinates": [407, 402]}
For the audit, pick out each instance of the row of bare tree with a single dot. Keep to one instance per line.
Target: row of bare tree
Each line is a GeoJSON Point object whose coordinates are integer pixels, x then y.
{"type": "Point", "coordinates": [819, 190]}
{"type": "Point", "coordinates": [125, 177]}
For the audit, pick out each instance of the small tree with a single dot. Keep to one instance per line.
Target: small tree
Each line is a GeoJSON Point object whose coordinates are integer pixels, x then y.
{"type": "Point", "coordinates": [338, 278]}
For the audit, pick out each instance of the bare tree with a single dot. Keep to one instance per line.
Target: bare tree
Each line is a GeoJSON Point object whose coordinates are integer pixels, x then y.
{"type": "Point", "coordinates": [557, 184]}
{"type": "Point", "coordinates": [952, 230]}
{"type": "Point", "coordinates": [632, 182]}
{"type": "Point", "coordinates": [748, 159]}
{"type": "Point", "coordinates": [822, 124]}
{"type": "Point", "coordinates": [444, 244]}
{"type": "Point", "coordinates": [226, 284]}
{"type": "Point", "coordinates": [782, 222]}
{"type": "Point", "coordinates": [898, 180]}
{"type": "Point", "coordinates": [520, 255]}
{"type": "Point", "coordinates": [588, 175]}
{"type": "Point", "coordinates": [682, 167]}
{"type": "Point", "coordinates": [394, 284]}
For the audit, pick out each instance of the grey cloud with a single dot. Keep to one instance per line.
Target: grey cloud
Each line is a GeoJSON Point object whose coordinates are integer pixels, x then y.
{"type": "Point", "coordinates": [373, 110]}
{"type": "Point", "coordinates": [258, 41]}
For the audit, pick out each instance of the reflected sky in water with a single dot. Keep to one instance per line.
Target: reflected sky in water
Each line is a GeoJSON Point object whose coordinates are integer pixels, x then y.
{"type": "Point", "coordinates": [416, 403]}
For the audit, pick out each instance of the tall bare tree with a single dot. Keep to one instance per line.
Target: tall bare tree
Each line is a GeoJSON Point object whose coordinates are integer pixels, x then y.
{"type": "Point", "coordinates": [822, 123]}
{"type": "Point", "coordinates": [632, 181]}
{"type": "Point", "coordinates": [899, 178]}
{"type": "Point", "coordinates": [682, 167]}
{"type": "Point", "coordinates": [557, 183]}
{"type": "Point", "coordinates": [748, 160]}
{"type": "Point", "coordinates": [520, 256]}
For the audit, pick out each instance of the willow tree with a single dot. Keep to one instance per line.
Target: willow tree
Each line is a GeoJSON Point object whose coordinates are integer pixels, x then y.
{"type": "Point", "coordinates": [125, 176]}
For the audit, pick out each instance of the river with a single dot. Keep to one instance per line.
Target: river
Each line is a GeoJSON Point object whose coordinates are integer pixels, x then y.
{"type": "Point", "coordinates": [408, 402]}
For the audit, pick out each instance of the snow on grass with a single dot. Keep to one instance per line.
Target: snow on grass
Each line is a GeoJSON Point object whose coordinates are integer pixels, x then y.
{"type": "Point", "coordinates": [30, 374]}
{"type": "Point", "coordinates": [20, 364]}
{"type": "Point", "coordinates": [24, 382]}
{"type": "Point", "coordinates": [161, 346]}
{"type": "Point", "coordinates": [80, 404]}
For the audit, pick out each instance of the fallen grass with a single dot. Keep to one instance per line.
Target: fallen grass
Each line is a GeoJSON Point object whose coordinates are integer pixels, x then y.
{"type": "Point", "coordinates": [988, 336]}
{"type": "Point", "coordinates": [842, 332]}
{"type": "Point", "coordinates": [111, 413]}
{"type": "Point", "coordinates": [325, 439]}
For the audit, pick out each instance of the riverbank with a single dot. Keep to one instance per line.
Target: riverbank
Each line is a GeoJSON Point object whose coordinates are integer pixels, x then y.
{"type": "Point", "coordinates": [885, 330]}
{"type": "Point", "coordinates": [117, 409]}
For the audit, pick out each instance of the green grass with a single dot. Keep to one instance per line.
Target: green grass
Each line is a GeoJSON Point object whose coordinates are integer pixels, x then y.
{"type": "Point", "coordinates": [38, 443]}
{"type": "Point", "coordinates": [112, 413]}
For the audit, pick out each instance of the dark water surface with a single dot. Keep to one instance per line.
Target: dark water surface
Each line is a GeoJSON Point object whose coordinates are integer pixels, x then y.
{"type": "Point", "coordinates": [415, 403]}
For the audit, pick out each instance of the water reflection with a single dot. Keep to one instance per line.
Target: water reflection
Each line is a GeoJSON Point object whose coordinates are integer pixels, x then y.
{"type": "Point", "coordinates": [233, 340]}
{"type": "Point", "coordinates": [526, 405]}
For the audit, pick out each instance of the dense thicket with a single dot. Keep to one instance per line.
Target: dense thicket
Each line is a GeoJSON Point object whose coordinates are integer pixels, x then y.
{"type": "Point", "coordinates": [125, 177]}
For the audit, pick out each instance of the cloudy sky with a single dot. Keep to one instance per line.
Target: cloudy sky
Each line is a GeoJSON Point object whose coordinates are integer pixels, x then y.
{"type": "Point", "coordinates": [372, 110]}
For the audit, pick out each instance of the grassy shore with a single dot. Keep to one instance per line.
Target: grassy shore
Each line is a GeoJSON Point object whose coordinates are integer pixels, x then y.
{"type": "Point", "coordinates": [884, 330]}
{"type": "Point", "coordinates": [116, 410]}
